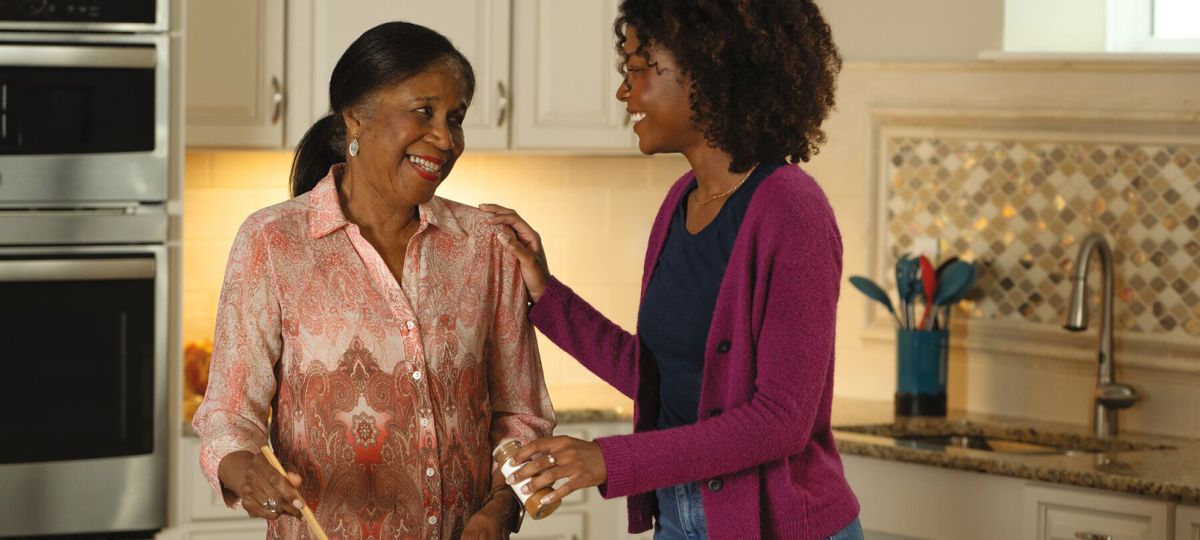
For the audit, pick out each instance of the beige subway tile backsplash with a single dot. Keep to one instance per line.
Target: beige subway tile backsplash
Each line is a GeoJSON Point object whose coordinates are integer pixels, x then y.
{"type": "Point", "coordinates": [594, 215]}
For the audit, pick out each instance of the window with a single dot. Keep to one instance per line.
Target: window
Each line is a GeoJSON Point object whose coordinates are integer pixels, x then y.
{"type": "Point", "coordinates": [1176, 19]}
{"type": "Point", "coordinates": [1153, 26]}
{"type": "Point", "coordinates": [1102, 26]}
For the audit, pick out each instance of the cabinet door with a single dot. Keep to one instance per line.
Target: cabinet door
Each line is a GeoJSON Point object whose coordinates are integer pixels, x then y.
{"type": "Point", "coordinates": [479, 28]}
{"type": "Point", "coordinates": [235, 72]}
{"type": "Point", "coordinates": [565, 77]}
{"type": "Point", "coordinates": [1068, 514]}
{"type": "Point", "coordinates": [1187, 523]}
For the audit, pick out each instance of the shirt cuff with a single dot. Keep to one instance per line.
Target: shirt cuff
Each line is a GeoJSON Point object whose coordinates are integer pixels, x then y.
{"type": "Point", "coordinates": [210, 462]}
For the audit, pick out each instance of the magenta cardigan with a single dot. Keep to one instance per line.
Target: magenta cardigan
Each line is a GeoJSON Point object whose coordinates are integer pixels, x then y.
{"type": "Point", "coordinates": [762, 449]}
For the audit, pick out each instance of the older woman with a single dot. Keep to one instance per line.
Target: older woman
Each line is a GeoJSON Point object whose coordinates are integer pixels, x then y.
{"type": "Point", "coordinates": [731, 369]}
{"type": "Point", "coordinates": [375, 333]}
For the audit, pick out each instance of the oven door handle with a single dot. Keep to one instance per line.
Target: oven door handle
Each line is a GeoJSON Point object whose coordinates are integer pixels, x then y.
{"type": "Point", "coordinates": [76, 269]}
{"type": "Point", "coordinates": [31, 55]}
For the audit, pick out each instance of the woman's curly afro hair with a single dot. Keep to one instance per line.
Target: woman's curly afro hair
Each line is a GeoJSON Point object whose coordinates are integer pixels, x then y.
{"type": "Point", "coordinates": [763, 72]}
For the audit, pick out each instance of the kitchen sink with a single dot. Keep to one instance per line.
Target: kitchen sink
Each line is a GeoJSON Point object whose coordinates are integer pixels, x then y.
{"type": "Point", "coordinates": [939, 436]}
{"type": "Point", "coordinates": [976, 442]}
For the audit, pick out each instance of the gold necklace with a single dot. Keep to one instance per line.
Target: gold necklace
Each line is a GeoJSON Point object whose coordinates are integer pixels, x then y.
{"type": "Point", "coordinates": [696, 193]}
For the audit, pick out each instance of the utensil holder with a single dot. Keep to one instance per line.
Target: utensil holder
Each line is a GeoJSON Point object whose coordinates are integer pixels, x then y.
{"type": "Point", "coordinates": [921, 372]}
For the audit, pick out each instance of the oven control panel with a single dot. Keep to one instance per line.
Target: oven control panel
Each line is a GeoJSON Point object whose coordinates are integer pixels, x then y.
{"type": "Point", "coordinates": [83, 11]}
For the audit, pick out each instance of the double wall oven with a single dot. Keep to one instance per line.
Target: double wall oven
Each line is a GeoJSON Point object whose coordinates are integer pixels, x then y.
{"type": "Point", "coordinates": [84, 148]}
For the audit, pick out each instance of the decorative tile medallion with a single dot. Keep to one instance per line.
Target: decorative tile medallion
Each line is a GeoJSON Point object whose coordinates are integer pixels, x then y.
{"type": "Point", "coordinates": [1020, 209]}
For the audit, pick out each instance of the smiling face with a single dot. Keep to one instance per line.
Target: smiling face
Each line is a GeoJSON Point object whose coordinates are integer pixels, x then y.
{"type": "Point", "coordinates": [655, 93]}
{"type": "Point", "coordinates": [410, 135]}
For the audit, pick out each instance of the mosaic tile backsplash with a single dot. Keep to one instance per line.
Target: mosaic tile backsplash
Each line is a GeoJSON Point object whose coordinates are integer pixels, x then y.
{"type": "Point", "coordinates": [1020, 208]}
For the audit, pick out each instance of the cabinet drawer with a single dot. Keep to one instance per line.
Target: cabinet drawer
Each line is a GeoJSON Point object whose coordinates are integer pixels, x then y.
{"type": "Point", "coordinates": [1053, 513]}
{"type": "Point", "coordinates": [1187, 522]}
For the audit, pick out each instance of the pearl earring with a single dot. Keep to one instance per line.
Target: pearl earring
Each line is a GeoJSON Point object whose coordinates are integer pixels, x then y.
{"type": "Point", "coordinates": [354, 147]}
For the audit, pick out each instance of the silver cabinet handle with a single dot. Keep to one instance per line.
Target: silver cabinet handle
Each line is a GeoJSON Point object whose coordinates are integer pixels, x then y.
{"type": "Point", "coordinates": [1084, 535]}
{"type": "Point", "coordinates": [502, 102]}
{"type": "Point", "coordinates": [276, 99]}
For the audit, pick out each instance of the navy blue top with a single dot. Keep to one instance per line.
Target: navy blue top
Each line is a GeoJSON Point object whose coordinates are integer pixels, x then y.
{"type": "Point", "coordinates": [677, 309]}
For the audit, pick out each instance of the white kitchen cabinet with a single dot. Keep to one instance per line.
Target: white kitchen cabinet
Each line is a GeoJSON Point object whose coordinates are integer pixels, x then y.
{"type": "Point", "coordinates": [1061, 513]}
{"type": "Point", "coordinates": [545, 71]}
{"type": "Point", "coordinates": [235, 73]}
{"type": "Point", "coordinates": [905, 500]}
{"type": "Point", "coordinates": [479, 28]}
{"type": "Point", "coordinates": [1187, 522]}
{"type": "Point", "coordinates": [551, 80]}
{"type": "Point", "coordinates": [565, 77]}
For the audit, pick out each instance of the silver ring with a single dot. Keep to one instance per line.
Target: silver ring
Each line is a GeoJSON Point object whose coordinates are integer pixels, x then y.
{"type": "Point", "coordinates": [550, 458]}
{"type": "Point", "coordinates": [272, 506]}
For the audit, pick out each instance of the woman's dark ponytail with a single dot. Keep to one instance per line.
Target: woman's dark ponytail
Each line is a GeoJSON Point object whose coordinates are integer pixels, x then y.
{"type": "Point", "coordinates": [382, 56]}
{"type": "Point", "coordinates": [318, 150]}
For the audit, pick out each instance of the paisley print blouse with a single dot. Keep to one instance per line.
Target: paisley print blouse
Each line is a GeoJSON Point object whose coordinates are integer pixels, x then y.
{"type": "Point", "coordinates": [386, 397]}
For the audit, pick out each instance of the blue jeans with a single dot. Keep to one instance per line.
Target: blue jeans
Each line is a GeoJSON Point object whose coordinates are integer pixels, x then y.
{"type": "Point", "coordinates": [680, 513]}
{"type": "Point", "coordinates": [681, 516]}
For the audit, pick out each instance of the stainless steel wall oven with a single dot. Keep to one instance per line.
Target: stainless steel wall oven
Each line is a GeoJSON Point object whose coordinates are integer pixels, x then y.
{"type": "Point", "coordinates": [84, 382]}
{"type": "Point", "coordinates": [83, 117]}
{"type": "Point", "coordinates": [84, 152]}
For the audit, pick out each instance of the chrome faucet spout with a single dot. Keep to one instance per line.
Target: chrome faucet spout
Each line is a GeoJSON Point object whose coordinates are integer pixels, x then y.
{"type": "Point", "coordinates": [1110, 396]}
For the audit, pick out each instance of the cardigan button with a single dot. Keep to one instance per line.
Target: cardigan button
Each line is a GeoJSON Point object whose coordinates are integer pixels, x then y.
{"type": "Point", "coordinates": [715, 484]}
{"type": "Point", "coordinates": [723, 346]}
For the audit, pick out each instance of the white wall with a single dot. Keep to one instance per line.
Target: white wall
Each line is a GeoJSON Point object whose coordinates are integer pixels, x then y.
{"type": "Point", "coordinates": [1056, 26]}
{"type": "Point", "coordinates": [942, 30]}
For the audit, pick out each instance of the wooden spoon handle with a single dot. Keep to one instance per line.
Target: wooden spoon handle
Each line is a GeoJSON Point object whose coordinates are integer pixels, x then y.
{"type": "Point", "coordinates": [308, 515]}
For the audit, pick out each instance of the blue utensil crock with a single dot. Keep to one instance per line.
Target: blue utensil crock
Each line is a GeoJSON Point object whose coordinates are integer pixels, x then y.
{"type": "Point", "coordinates": [921, 372]}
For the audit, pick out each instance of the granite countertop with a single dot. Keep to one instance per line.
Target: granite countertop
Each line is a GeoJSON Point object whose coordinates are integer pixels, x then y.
{"type": "Point", "coordinates": [1166, 468]}
{"type": "Point", "coordinates": [564, 416]}
{"type": "Point", "coordinates": [581, 416]}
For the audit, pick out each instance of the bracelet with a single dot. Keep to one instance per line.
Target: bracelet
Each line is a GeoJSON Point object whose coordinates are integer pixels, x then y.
{"type": "Point", "coordinates": [493, 493]}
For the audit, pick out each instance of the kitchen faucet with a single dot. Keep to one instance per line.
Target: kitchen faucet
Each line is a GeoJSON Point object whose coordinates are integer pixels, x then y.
{"type": "Point", "coordinates": [1110, 395]}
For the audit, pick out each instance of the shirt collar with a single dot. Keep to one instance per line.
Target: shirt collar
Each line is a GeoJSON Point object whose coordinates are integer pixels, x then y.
{"type": "Point", "coordinates": [325, 210]}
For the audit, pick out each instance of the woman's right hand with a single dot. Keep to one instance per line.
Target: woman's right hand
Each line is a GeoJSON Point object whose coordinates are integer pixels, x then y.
{"type": "Point", "coordinates": [251, 477]}
{"type": "Point", "coordinates": [528, 248]}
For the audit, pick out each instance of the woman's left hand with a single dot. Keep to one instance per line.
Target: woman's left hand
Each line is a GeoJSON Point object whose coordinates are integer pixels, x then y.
{"type": "Point", "coordinates": [491, 521]}
{"type": "Point", "coordinates": [551, 459]}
